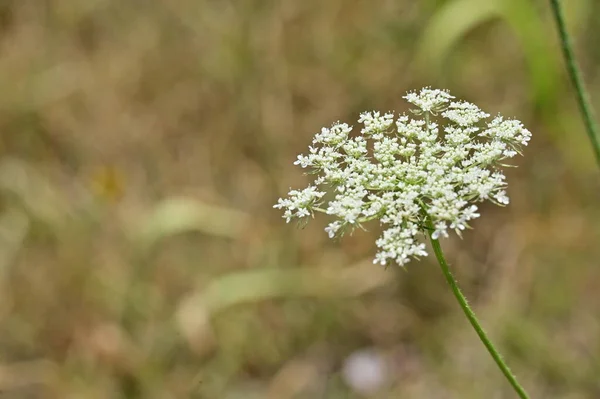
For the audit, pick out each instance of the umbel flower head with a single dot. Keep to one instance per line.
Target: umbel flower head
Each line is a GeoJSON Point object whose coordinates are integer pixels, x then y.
{"type": "Point", "coordinates": [408, 172]}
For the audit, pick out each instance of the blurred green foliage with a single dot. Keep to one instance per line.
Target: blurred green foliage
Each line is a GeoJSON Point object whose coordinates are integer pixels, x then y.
{"type": "Point", "coordinates": [143, 144]}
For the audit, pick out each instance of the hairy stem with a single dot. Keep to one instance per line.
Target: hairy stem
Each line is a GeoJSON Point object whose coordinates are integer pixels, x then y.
{"type": "Point", "coordinates": [575, 76]}
{"type": "Point", "coordinates": [462, 301]}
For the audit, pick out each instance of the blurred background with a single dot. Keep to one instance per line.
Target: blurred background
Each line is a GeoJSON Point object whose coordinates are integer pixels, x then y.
{"type": "Point", "coordinates": [144, 143]}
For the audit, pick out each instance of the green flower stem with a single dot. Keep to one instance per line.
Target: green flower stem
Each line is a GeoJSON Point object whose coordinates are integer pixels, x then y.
{"type": "Point", "coordinates": [575, 75]}
{"type": "Point", "coordinates": [462, 301]}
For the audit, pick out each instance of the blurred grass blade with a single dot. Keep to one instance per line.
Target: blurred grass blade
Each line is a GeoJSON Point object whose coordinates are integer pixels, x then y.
{"type": "Point", "coordinates": [33, 192]}
{"type": "Point", "coordinates": [448, 26]}
{"type": "Point", "coordinates": [544, 76]}
{"type": "Point", "coordinates": [256, 285]}
{"type": "Point", "coordinates": [457, 18]}
{"type": "Point", "coordinates": [194, 312]}
{"type": "Point", "coordinates": [180, 215]}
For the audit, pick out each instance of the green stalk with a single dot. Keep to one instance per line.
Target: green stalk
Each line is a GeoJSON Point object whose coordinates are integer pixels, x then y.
{"type": "Point", "coordinates": [575, 76]}
{"type": "Point", "coordinates": [462, 301]}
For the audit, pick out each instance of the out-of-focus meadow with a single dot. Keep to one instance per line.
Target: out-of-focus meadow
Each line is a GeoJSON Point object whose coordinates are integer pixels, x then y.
{"type": "Point", "coordinates": [143, 144]}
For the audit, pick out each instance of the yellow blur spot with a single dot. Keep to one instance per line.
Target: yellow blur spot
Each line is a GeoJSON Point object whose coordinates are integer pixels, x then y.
{"type": "Point", "coordinates": [108, 183]}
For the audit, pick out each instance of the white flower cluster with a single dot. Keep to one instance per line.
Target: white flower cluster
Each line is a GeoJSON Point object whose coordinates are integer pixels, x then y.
{"type": "Point", "coordinates": [409, 173]}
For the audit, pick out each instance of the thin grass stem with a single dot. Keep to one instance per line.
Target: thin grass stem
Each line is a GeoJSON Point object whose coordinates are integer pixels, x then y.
{"type": "Point", "coordinates": [575, 75]}
{"type": "Point", "coordinates": [462, 301]}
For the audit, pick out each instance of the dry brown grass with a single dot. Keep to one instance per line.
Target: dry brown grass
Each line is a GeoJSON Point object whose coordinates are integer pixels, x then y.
{"type": "Point", "coordinates": [143, 144]}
